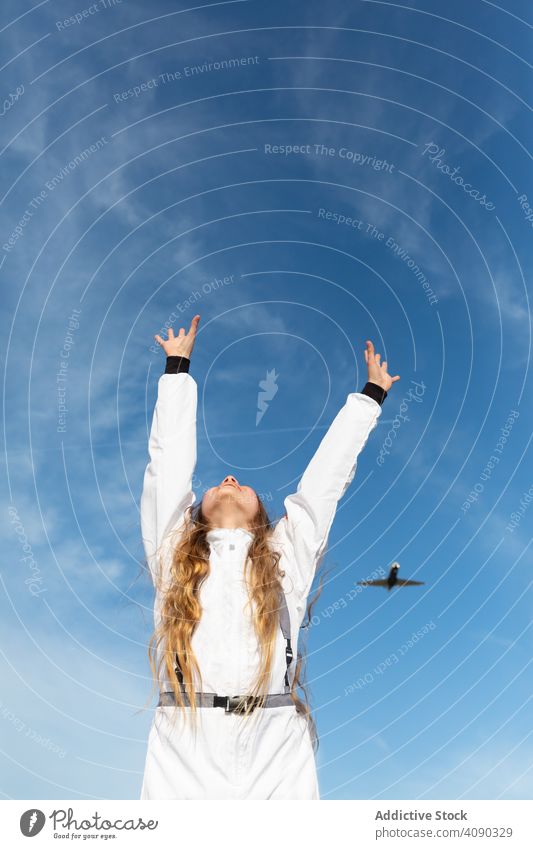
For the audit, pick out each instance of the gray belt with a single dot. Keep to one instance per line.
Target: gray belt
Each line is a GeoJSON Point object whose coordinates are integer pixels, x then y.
{"type": "Point", "coordinates": [231, 704]}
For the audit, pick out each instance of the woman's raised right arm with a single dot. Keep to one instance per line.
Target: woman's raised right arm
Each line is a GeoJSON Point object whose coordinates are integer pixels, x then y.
{"type": "Point", "coordinates": [167, 486]}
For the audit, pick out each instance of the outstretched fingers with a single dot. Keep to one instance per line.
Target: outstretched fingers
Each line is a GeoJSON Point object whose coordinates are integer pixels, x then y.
{"type": "Point", "coordinates": [194, 325]}
{"type": "Point", "coordinates": [370, 355]}
{"type": "Point", "coordinates": [373, 359]}
{"type": "Point", "coordinates": [369, 352]}
{"type": "Point", "coordinates": [384, 367]}
{"type": "Point", "coordinates": [192, 329]}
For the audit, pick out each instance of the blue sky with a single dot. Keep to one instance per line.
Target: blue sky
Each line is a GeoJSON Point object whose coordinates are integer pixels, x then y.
{"type": "Point", "coordinates": [141, 179]}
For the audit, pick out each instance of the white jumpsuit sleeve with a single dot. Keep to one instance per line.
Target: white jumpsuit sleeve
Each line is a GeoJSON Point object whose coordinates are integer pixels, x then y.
{"type": "Point", "coordinates": [304, 530]}
{"type": "Point", "coordinates": [167, 487]}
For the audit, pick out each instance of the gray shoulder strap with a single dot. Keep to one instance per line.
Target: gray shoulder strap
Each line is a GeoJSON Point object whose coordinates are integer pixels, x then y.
{"type": "Point", "coordinates": [285, 624]}
{"type": "Point", "coordinates": [284, 617]}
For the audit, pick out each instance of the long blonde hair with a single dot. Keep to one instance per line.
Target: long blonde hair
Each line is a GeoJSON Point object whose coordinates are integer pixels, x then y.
{"type": "Point", "coordinates": [181, 611]}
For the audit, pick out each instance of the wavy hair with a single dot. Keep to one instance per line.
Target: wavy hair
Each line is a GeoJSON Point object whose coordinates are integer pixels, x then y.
{"type": "Point", "coordinates": [181, 611]}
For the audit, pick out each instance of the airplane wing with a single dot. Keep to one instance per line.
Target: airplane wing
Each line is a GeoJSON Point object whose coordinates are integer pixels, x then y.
{"type": "Point", "coordinates": [401, 582]}
{"type": "Point", "coordinates": [372, 583]}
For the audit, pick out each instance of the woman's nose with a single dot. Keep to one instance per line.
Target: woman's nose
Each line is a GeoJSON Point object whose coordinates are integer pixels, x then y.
{"type": "Point", "coordinates": [230, 479]}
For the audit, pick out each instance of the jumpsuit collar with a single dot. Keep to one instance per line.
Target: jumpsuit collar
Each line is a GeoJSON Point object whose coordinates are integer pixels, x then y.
{"type": "Point", "coordinates": [237, 536]}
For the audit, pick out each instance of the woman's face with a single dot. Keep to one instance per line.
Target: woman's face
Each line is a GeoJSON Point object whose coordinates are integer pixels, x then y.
{"type": "Point", "coordinates": [230, 505]}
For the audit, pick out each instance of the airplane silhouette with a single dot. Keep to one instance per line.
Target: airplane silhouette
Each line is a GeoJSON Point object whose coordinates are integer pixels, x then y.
{"type": "Point", "coordinates": [392, 580]}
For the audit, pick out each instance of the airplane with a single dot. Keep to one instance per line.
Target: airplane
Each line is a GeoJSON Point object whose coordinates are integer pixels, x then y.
{"type": "Point", "coordinates": [392, 580]}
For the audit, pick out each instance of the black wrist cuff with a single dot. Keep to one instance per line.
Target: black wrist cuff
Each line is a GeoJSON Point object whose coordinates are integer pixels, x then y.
{"type": "Point", "coordinates": [175, 365]}
{"type": "Point", "coordinates": [374, 391]}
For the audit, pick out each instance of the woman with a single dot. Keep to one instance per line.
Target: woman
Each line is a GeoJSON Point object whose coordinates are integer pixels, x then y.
{"type": "Point", "coordinates": [231, 593]}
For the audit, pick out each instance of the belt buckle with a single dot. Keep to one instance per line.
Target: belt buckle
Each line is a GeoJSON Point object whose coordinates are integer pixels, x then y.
{"type": "Point", "coordinates": [235, 704]}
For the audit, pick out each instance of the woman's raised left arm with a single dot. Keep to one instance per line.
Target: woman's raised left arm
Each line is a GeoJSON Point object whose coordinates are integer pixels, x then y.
{"type": "Point", "coordinates": [304, 530]}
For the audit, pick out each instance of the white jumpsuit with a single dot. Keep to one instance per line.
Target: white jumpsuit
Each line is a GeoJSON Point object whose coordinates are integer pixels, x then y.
{"type": "Point", "coordinates": [269, 754]}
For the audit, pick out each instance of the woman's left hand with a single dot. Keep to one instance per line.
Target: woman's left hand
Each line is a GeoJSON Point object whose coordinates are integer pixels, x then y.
{"type": "Point", "coordinates": [182, 344]}
{"type": "Point", "coordinates": [377, 372]}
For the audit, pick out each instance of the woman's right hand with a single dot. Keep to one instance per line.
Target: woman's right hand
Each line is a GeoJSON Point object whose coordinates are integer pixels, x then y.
{"type": "Point", "coordinates": [377, 372]}
{"type": "Point", "coordinates": [182, 344]}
